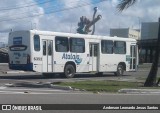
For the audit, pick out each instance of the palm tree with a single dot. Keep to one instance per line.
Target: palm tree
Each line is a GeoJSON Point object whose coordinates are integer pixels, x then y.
{"type": "Point", "coordinates": [151, 79]}
{"type": "Point", "coordinates": [124, 4]}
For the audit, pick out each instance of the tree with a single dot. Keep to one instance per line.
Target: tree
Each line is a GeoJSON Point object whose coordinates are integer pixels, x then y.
{"type": "Point", "coordinates": [82, 25]}
{"type": "Point", "coordinates": [151, 79]}
{"type": "Point", "coordinates": [124, 4]}
{"type": "Point", "coordinates": [85, 24]}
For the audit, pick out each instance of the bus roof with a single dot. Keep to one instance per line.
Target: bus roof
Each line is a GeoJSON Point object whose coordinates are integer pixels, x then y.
{"type": "Point", "coordinates": [76, 35]}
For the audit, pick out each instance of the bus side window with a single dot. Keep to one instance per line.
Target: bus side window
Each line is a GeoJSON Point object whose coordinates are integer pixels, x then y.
{"type": "Point", "coordinates": [36, 43]}
{"type": "Point", "coordinates": [119, 47]}
{"type": "Point", "coordinates": [77, 45]}
{"type": "Point", "coordinates": [61, 44]}
{"type": "Point", "coordinates": [107, 46]}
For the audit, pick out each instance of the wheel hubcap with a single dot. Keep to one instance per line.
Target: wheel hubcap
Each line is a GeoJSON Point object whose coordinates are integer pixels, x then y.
{"type": "Point", "coordinates": [69, 72]}
{"type": "Point", "coordinates": [120, 70]}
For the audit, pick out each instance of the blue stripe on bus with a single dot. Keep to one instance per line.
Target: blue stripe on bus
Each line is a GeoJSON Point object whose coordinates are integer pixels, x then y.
{"type": "Point", "coordinates": [25, 67]}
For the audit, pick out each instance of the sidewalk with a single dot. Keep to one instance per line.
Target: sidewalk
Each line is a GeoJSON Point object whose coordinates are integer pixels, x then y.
{"type": "Point", "coordinates": [4, 69]}
{"type": "Point", "coordinates": [140, 91]}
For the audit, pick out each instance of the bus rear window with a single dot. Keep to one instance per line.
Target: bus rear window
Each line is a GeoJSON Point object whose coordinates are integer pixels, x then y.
{"type": "Point", "coordinates": [17, 41]}
{"type": "Point", "coordinates": [17, 45]}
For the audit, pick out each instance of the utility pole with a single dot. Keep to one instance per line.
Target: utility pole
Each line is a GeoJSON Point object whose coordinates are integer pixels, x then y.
{"type": "Point", "coordinates": [95, 11]}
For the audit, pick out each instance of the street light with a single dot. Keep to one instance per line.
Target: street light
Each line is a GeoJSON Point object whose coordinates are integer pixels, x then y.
{"type": "Point", "coordinates": [95, 11]}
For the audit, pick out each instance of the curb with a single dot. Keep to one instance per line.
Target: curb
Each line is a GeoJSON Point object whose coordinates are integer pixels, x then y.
{"type": "Point", "coordinates": [3, 64]}
{"type": "Point", "coordinates": [61, 87]}
{"type": "Point", "coordinates": [142, 91]}
{"type": "Point", "coordinates": [12, 72]}
{"type": "Point", "coordinates": [39, 85]}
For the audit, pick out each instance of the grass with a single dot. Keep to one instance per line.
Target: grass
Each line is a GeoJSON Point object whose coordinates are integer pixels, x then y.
{"type": "Point", "coordinates": [100, 86]}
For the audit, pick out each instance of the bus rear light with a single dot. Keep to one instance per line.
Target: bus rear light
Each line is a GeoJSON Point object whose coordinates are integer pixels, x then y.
{"type": "Point", "coordinates": [28, 59]}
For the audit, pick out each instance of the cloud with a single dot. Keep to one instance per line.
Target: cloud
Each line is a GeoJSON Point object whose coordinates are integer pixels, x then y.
{"type": "Point", "coordinates": [111, 18]}
{"type": "Point", "coordinates": [67, 20]}
{"type": "Point", "coordinates": [12, 17]}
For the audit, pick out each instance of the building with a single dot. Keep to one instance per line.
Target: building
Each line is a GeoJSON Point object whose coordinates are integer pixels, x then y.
{"type": "Point", "coordinates": [125, 32]}
{"type": "Point", "coordinates": [149, 30]}
{"type": "Point", "coordinates": [2, 44]}
{"type": "Point", "coordinates": [147, 39]}
{"type": "Point", "coordinates": [148, 42]}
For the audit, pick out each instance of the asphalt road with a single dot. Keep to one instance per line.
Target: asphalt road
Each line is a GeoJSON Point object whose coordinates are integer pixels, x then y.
{"type": "Point", "coordinates": [82, 98]}
{"type": "Point", "coordinates": [14, 77]}
{"type": "Point", "coordinates": [29, 94]}
{"type": "Point", "coordinates": [36, 80]}
{"type": "Point", "coordinates": [79, 98]}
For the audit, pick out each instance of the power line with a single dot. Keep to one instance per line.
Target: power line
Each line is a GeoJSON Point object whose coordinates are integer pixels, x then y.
{"type": "Point", "coordinates": [23, 13]}
{"type": "Point", "coordinates": [19, 7]}
{"type": "Point", "coordinates": [55, 11]}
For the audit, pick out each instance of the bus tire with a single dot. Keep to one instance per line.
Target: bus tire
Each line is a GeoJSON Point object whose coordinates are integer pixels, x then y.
{"type": "Point", "coordinates": [120, 70]}
{"type": "Point", "coordinates": [69, 71]}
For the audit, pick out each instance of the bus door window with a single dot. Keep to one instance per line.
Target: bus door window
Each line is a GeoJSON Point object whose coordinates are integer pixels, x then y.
{"type": "Point", "coordinates": [44, 47]}
{"type": "Point", "coordinates": [50, 48]}
{"type": "Point", "coordinates": [133, 57]}
{"type": "Point", "coordinates": [94, 50]}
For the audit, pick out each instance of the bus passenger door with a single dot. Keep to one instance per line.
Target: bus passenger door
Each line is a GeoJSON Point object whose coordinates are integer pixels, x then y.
{"type": "Point", "coordinates": [47, 56]}
{"type": "Point", "coordinates": [133, 59]}
{"type": "Point", "coordinates": [94, 54]}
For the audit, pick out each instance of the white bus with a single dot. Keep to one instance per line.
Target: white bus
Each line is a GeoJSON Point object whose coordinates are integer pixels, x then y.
{"type": "Point", "coordinates": [68, 53]}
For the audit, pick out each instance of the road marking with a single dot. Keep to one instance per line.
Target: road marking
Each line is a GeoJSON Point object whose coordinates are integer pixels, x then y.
{"type": "Point", "coordinates": [29, 91]}
{"type": "Point", "coordinates": [10, 92]}
{"type": "Point", "coordinates": [53, 90]}
{"type": "Point", "coordinates": [25, 81]}
{"type": "Point", "coordinates": [2, 87]}
{"type": "Point", "coordinates": [26, 92]}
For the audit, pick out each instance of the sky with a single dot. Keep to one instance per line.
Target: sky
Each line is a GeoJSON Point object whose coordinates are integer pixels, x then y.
{"type": "Point", "coordinates": [63, 15]}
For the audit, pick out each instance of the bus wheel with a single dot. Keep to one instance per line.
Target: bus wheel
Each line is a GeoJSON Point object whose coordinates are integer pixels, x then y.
{"type": "Point", "coordinates": [69, 71]}
{"type": "Point", "coordinates": [120, 70]}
